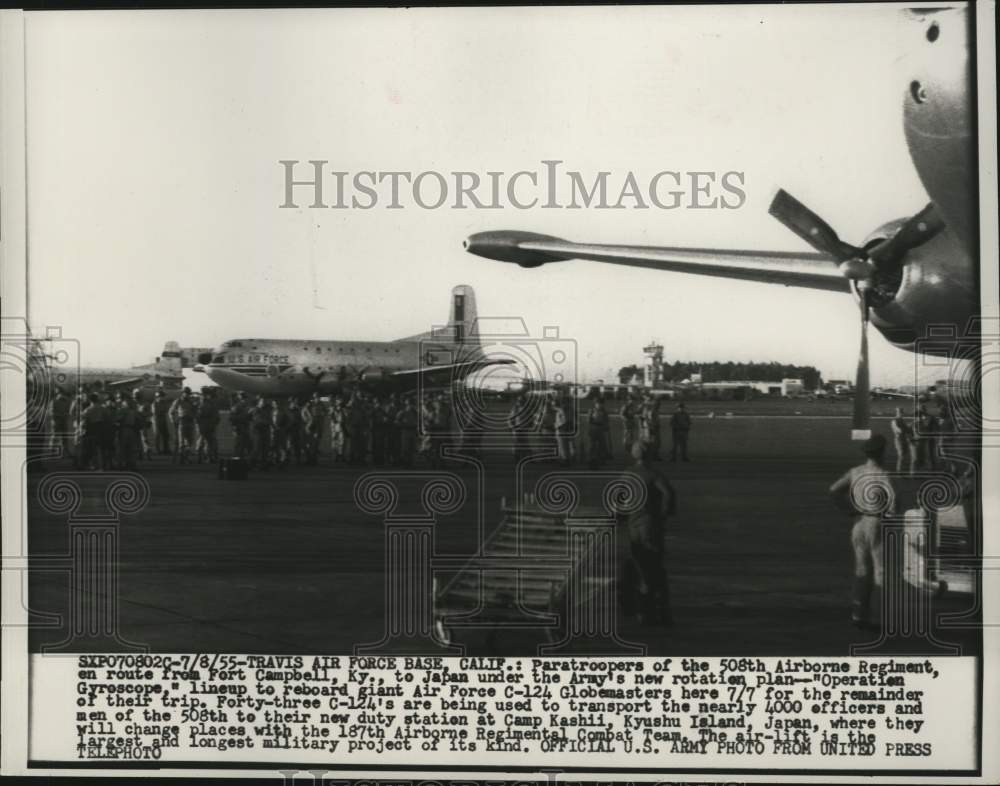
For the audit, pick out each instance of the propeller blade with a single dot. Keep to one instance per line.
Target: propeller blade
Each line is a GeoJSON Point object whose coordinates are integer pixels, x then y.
{"type": "Point", "coordinates": [916, 231]}
{"type": "Point", "coordinates": [861, 425]}
{"type": "Point", "coordinates": [811, 228]}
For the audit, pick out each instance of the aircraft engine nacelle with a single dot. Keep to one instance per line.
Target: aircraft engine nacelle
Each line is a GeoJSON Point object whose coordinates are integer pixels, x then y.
{"type": "Point", "coordinates": [373, 375]}
{"type": "Point", "coordinates": [930, 287]}
{"type": "Point", "coordinates": [506, 247]}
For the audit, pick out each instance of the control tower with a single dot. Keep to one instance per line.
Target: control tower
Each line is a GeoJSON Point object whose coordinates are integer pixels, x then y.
{"type": "Point", "coordinates": [654, 364]}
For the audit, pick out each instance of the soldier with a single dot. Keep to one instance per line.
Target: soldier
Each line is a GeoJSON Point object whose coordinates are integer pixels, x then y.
{"type": "Point", "coordinates": [59, 423]}
{"type": "Point", "coordinates": [296, 431]}
{"type": "Point", "coordinates": [360, 428]}
{"type": "Point", "coordinates": [646, 530]}
{"type": "Point", "coordinates": [144, 421]}
{"type": "Point", "coordinates": [629, 415]}
{"type": "Point", "coordinates": [379, 434]}
{"type": "Point", "coordinates": [545, 426]}
{"type": "Point", "coordinates": [597, 433]}
{"type": "Point", "coordinates": [945, 429]}
{"type": "Point", "coordinates": [426, 426]}
{"type": "Point", "coordinates": [240, 419]}
{"type": "Point", "coordinates": [128, 431]}
{"type": "Point", "coordinates": [367, 431]}
{"type": "Point", "coordinates": [651, 426]}
{"type": "Point", "coordinates": [406, 425]}
{"type": "Point", "coordinates": [337, 418]}
{"type": "Point", "coordinates": [902, 437]}
{"type": "Point", "coordinates": [440, 425]}
{"type": "Point", "coordinates": [109, 433]}
{"type": "Point", "coordinates": [923, 440]}
{"type": "Point", "coordinates": [80, 404]}
{"type": "Point", "coordinates": [680, 427]}
{"type": "Point", "coordinates": [870, 490]}
{"type": "Point", "coordinates": [315, 416]}
{"type": "Point", "coordinates": [391, 410]}
{"type": "Point", "coordinates": [519, 422]}
{"type": "Point", "coordinates": [357, 430]}
{"type": "Point", "coordinates": [208, 422]}
{"type": "Point", "coordinates": [92, 422]}
{"type": "Point", "coordinates": [279, 433]}
{"type": "Point", "coordinates": [565, 429]}
{"type": "Point", "coordinates": [261, 418]}
{"type": "Point", "coordinates": [183, 413]}
{"type": "Point", "coordinates": [347, 427]}
{"type": "Point", "coordinates": [161, 426]}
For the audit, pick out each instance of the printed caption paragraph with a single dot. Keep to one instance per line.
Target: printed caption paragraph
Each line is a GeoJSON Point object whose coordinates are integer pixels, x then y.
{"type": "Point", "coordinates": [825, 713]}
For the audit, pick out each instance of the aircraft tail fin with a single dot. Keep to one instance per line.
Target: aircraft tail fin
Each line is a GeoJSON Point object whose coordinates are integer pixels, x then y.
{"type": "Point", "coordinates": [462, 316]}
{"type": "Point", "coordinates": [461, 327]}
{"type": "Point", "coordinates": [170, 360]}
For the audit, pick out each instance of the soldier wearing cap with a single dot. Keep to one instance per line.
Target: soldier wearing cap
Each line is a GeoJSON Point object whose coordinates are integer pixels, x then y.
{"type": "Point", "coordinates": [338, 416]}
{"type": "Point", "coordinates": [279, 433]}
{"type": "Point", "coordinates": [407, 421]}
{"type": "Point", "coordinates": [315, 416]}
{"type": "Point", "coordinates": [680, 427]}
{"type": "Point", "coordinates": [128, 432]}
{"type": "Point", "coordinates": [565, 429]}
{"type": "Point", "coordinates": [629, 415]}
{"type": "Point", "coordinates": [650, 419]}
{"type": "Point", "coordinates": [208, 422]}
{"type": "Point", "coordinates": [144, 420]}
{"type": "Point", "coordinates": [296, 431]}
{"type": "Point", "coordinates": [261, 417]}
{"type": "Point", "coordinates": [239, 419]}
{"type": "Point", "coordinates": [92, 422]}
{"type": "Point", "coordinates": [183, 413]}
{"type": "Point", "coordinates": [59, 422]}
{"type": "Point", "coordinates": [519, 421]}
{"type": "Point", "coordinates": [161, 425]}
{"type": "Point", "coordinates": [599, 435]}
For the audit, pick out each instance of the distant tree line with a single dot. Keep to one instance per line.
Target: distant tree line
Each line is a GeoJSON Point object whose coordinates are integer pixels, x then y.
{"type": "Point", "coordinates": [717, 371]}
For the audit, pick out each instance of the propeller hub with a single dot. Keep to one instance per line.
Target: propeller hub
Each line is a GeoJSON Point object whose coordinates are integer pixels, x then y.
{"type": "Point", "coordinates": [857, 269]}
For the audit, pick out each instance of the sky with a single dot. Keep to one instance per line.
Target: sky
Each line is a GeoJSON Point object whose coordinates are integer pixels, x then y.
{"type": "Point", "coordinates": [154, 181]}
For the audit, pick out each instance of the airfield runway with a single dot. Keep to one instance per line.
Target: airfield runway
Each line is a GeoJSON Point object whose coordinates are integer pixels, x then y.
{"type": "Point", "coordinates": [758, 556]}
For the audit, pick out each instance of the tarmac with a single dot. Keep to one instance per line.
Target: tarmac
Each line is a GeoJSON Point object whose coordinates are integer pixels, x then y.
{"type": "Point", "coordinates": [758, 555]}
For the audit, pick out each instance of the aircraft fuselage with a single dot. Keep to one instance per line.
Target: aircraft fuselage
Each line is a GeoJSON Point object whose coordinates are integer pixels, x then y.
{"type": "Point", "coordinates": [281, 367]}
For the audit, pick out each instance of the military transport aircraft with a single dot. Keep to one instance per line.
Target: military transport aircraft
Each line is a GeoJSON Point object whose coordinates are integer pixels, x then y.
{"type": "Point", "coordinates": [908, 275]}
{"type": "Point", "coordinates": [164, 373]}
{"type": "Point", "coordinates": [282, 367]}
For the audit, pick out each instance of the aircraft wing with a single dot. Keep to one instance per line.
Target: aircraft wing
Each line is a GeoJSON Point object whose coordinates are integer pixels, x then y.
{"type": "Point", "coordinates": [895, 394]}
{"type": "Point", "coordinates": [462, 368]}
{"type": "Point", "coordinates": [815, 271]}
{"type": "Point", "coordinates": [125, 382]}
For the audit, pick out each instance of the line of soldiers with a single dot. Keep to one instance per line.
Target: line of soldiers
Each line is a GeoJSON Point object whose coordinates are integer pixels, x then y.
{"type": "Point", "coordinates": [552, 423]}
{"type": "Point", "coordinates": [188, 411]}
{"type": "Point", "coordinates": [917, 440]}
{"type": "Point", "coordinates": [361, 428]}
{"type": "Point", "coordinates": [548, 424]}
{"type": "Point", "coordinates": [117, 430]}
{"type": "Point", "coordinates": [100, 431]}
